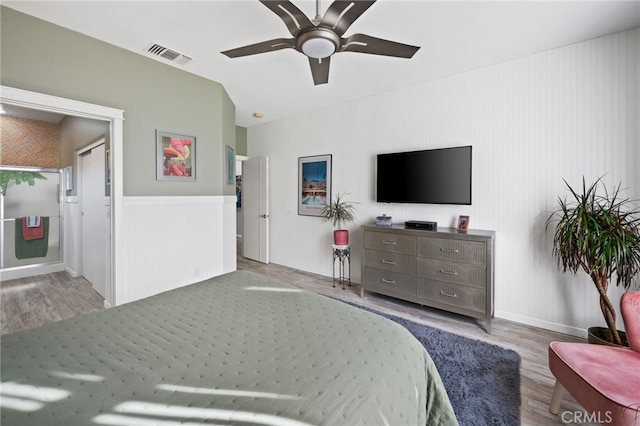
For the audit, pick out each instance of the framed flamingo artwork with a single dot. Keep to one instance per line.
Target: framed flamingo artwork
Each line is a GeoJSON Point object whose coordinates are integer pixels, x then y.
{"type": "Point", "coordinates": [175, 157]}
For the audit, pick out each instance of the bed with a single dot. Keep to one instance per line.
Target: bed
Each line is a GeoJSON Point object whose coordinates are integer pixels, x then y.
{"type": "Point", "coordinates": [236, 349]}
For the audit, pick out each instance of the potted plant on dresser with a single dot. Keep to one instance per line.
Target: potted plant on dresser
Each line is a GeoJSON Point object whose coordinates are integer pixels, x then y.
{"type": "Point", "coordinates": [599, 234]}
{"type": "Point", "coordinates": [339, 212]}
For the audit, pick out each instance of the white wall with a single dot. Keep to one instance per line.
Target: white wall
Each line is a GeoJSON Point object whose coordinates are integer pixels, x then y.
{"type": "Point", "coordinates": [533, 121]}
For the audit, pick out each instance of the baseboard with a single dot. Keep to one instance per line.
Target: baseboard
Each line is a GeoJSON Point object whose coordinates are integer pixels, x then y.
{"type": "Point", "coordinates": [546, 325]}
{"type": "Point", "coordinates": [29, 271]}
{"type": "Point", "coordinates": [73, 273]}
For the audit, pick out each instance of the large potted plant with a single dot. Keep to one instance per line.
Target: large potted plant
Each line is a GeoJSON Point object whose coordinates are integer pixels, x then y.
{"type": "Point", "coordinates": [339, 212]}
{"type": "Point", "coordinates": [599, 234]}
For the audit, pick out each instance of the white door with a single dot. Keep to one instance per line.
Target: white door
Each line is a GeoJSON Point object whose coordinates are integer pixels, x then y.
{"type": "Point", "coordinates": [92, 201]}
{"type": "Point", "coordinates": [255, 210]}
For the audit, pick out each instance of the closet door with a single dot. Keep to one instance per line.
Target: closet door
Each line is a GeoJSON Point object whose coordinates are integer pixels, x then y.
{"type": "Point", "coordinates": [92, 199]}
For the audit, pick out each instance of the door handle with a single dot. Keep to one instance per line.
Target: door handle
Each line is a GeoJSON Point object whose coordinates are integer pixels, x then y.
{"type": "Point", "coordinates": [264, 216]}
{"type": "Point", "coordinates": [449, 250]}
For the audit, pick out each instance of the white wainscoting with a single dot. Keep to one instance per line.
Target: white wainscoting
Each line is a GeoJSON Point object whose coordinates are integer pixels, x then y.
{"type": "Point", "coordinates": [170, 242]}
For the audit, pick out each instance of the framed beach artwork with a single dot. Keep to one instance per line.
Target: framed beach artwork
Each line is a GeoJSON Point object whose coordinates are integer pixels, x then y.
{"type": "Point", "coordinates": [175, 157]}
{"type": "Point", "coordinates": [314, 184]}
{"type": "Point", "coordinates": [229, 165]}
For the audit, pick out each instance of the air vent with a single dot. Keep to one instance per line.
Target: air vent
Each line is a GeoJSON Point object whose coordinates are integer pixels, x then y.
{"type": "Point", "coordinates": [169, 54]}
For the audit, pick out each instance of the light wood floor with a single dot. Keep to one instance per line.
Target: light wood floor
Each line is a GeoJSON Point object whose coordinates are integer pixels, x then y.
{"type": "Point", "coordinates": [29, 302]}
{"type": "Point", "coordinates": [41, 299]}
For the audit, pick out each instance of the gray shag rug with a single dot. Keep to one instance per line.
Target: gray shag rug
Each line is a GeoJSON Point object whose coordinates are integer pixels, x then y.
{"type": "Point", "coordinates": [482, 380]}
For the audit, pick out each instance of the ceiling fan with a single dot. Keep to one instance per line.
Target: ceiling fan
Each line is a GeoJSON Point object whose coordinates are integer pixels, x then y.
{"type": "Point", "coordinates": [321, 37]}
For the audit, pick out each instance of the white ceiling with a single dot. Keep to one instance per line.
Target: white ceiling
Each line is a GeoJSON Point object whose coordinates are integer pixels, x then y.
{"type": "Point", "coordinates": [455, 36]}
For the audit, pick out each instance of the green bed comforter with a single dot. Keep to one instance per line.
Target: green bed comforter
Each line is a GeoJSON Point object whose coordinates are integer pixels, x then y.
{"type": "Point", "coordinates": [236, 349]}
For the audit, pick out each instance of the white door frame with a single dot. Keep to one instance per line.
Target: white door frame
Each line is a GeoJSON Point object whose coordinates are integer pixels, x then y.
{"type": "Point", "coordinates": [40, 101]}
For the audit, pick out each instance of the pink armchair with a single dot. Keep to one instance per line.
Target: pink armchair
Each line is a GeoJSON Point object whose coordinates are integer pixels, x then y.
{"type": "Point", "coordinates": [605, 380]}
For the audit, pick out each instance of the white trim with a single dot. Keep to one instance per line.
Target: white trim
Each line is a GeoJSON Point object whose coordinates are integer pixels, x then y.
{"type": "Point", "coordinates": [29, 271]}
{"type": "Point", "coordinates": [89, 147]}
{"type": "Point", "coordinates": [44, 102]}
{"type": "Point", "coordinates": [191, 200]}
{"type": "Point", "coordinates": [547, 325]}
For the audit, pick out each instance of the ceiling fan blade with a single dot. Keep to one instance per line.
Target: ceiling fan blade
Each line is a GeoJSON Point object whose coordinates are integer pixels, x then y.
{"type": "Point", "coordinates": [293, 17]}
{"type": "Point", "coordinates": [341, 14]}
{"type": "Point", "coordinates": [262, 47]}
{"type": "Point", "coordinates": [320, 70]}
{"type": "Point", "coordinates": [363, 43]}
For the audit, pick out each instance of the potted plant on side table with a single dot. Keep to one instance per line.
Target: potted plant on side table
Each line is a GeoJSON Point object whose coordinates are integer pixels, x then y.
{"type": "Point", "coordinates": [339, 212]}
{"type": "Point", "coordinates": [599, 234]}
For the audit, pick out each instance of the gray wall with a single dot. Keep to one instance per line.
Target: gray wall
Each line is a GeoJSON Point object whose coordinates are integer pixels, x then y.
{"type": "Point", "coordinates": [241, 140]}
{"type": "Point", "coordinates": [76, 133]}
{"type": "Point", "coordinates": [41, 57]}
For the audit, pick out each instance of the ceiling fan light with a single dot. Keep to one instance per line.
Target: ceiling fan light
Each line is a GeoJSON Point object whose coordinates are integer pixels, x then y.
{"type": "Point", "coordinates": [318, 47]}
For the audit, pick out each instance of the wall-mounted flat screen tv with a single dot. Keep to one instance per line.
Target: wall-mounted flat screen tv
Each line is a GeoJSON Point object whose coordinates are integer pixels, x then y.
{"type": "Point", "coordinates": [433, 176]}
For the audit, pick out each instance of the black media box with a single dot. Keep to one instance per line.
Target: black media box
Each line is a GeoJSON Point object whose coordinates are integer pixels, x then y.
{"type": "Point", "coordinates": [418, 224]}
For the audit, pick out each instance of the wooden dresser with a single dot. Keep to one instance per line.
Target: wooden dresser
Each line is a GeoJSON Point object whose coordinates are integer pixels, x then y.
{"type": "Point", "coordinates": [442, 269]}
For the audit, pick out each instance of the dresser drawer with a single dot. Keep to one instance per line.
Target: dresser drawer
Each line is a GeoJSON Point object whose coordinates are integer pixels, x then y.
{"type": "Point", "coordinates": [451, 249]}
{"type": "Point", "coordinates": [393, 243]}
{"type": "Point", "coordinates": [472, 299]}
{"type": "Point", "coordinates": [452, 272]}
{"type": "Point", "coordinates": [390, 283]}
{"type": "Point", "coordinates": [393, 262]}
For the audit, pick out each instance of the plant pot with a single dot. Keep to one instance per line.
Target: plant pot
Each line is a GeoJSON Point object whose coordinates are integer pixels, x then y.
{"type": "Point", "coordinates": [341, 237]}
{"type": "Point", "coordinates": [600, 336]}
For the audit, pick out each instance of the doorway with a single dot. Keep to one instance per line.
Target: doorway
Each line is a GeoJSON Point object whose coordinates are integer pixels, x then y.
{"type": "Point", "coordinates": [115, 118]}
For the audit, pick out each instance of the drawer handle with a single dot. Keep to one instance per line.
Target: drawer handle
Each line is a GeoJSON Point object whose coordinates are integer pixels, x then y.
{"type": "Point", "coordinates": [444, 293]}
{"type": "Point", "coordinates": [448, 250]}
{"type": "Point", "coordinates": [442, 271]}
{"type": "Point", "coordinates": [388, 262]}
{"type": "Point", "coordinates": [391, 243]}
{"type": "Point", "coordinates": [384, 280]}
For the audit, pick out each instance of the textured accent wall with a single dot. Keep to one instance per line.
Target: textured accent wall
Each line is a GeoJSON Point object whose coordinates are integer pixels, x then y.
{"type": "Point", "coordinates": [28, 142]}
{"type": "Point", "coordinates": [533, 121]}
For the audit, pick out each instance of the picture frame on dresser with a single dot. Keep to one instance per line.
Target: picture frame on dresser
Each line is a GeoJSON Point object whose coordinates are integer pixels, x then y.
{"type": "Point", "coordinates": [463, 223]}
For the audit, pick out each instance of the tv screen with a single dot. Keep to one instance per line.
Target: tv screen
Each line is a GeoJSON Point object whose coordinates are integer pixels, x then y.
{"type": "Point", "coordinates": [433, 176]}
